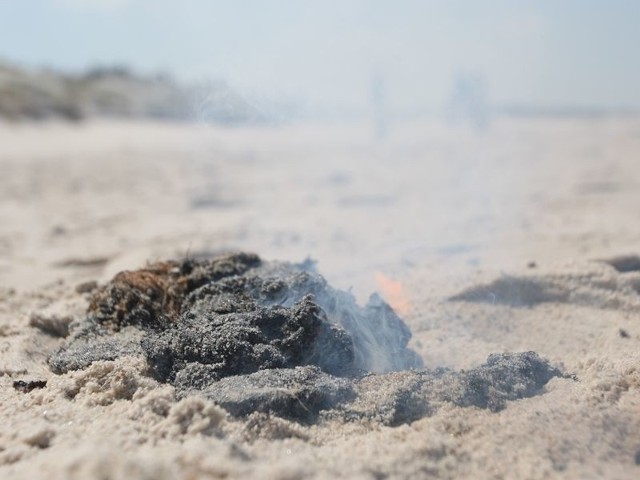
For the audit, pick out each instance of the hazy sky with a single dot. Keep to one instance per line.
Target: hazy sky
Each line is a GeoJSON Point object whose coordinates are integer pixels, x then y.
{"type": "Point", "coordinates": [544, 53]}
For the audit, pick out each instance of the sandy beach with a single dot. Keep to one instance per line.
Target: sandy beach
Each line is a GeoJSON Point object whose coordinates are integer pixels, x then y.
{"type": "Point", "coordinates": [518, 237]}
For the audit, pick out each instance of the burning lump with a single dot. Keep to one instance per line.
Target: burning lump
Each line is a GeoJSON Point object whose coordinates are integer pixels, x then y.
{"type": "Point", "coordinates": [236, 315]}
{"type": "Point", "coordinates": [265, 336]}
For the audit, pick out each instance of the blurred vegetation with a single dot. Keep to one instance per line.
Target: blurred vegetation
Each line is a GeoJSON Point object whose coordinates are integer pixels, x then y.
{"type": "Point", "coordinates": [116, 92]}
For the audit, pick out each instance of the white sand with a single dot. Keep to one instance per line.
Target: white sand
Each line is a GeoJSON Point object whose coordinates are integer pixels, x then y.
{"type": "Point", "coordinates": [438, 209]}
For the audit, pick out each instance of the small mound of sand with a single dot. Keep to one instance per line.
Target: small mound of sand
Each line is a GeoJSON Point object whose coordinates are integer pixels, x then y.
{"type": "Point", "coordinates": [599, 287]}
{"type": "Point", "coordinates": [624, 263]}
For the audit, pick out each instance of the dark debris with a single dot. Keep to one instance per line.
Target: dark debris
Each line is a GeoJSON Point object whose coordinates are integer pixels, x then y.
{"type": "Point", "coordinates": [28, 386]}
{"type": "Point", "coordinates": [275, 338]}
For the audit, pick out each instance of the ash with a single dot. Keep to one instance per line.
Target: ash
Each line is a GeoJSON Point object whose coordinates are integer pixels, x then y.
{"type": "Point", "coordinates": [273, 337]}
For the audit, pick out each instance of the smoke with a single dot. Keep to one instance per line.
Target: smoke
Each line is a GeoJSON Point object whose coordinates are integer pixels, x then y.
{"type": "Point", "coordinates": [379, 335]}
{"type": "Point", "coordinates": [322, 56]}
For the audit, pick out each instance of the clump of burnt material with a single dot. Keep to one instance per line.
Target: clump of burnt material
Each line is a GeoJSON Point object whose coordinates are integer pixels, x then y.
{"type": "Point", "coordinates": [205, 347]}
{"type": "Point", "coordinates": [403, 397]}
{"type": "Point", "coordinates": [199, 321]}
{"type": "Point", "coordinates": [274, 338]}
{"type": "Point", "coordinates": [503, 377]}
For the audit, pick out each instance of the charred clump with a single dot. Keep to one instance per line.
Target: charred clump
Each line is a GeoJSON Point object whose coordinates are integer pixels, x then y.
{"type": "Point", "coordinates": [275, 338]}
{"type": "Point", "coordinates": [504, 377]}
{"type": "Point", "coordinates": [202, 348]}
{"type": "Point", "coordinates": [396, 398]}
{"type": "Point", "coordinates": [199, 321]}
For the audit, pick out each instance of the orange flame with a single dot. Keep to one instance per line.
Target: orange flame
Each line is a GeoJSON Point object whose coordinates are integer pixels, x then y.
{"type": "Point", "coordinates": [393, 293]}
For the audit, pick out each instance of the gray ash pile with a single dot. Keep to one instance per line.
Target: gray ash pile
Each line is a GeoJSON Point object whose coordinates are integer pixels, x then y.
{"type": "Point", "coordinates": [276, 338]}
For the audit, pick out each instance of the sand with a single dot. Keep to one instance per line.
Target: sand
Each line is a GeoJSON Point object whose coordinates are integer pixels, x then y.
{"type": "Point", "coordinates": [492, 241]}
